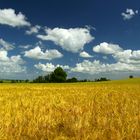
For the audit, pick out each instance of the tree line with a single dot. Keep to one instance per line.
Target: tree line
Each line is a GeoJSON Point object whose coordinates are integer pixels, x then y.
{"type": "Point", "coordinates": [60, 76]}
{"type": "Point", "coordinates": [57, 76]}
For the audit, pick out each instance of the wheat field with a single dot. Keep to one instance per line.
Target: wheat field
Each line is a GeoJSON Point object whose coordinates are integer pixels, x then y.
{"type": "Point", "coordinates": [80, 111]}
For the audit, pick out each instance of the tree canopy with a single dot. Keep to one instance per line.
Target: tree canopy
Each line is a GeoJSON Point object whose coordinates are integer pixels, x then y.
{"type": "Point", "coordinates": [57, 76]}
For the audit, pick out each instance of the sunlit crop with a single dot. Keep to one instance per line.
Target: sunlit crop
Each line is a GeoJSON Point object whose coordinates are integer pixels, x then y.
{"type": "Point", "coordinates": [81, 111]}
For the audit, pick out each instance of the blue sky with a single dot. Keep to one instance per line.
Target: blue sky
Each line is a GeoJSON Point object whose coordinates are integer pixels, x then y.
{"type": "Point", "coordinates": [88, 38]}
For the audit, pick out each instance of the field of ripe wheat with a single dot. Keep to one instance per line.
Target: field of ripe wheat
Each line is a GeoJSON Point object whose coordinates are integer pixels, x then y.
{"type": "Point", "coordinates": [80, 111]}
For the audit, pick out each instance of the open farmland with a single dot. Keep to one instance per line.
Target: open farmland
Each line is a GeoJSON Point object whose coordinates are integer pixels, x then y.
{"type": "Point", "coordinates": [80, 111]}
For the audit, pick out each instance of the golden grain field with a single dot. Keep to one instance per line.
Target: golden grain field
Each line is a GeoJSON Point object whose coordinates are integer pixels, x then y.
{"type": "Point", "coordinates": [81, 111]}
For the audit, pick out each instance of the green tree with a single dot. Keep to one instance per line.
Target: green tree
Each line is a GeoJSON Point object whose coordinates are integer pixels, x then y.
{"type": "Point", "coordinates": [47, 78]}
{"type": "Point", "coordinates": [58, 76]}
{"type": "Point", "coordinates": [131, 76]}
{"type": "Point", "coordinates": [39, 79]}
{"type": "Point", "coordinates": [72, 80]}
{"type": "Point", "coordinates": [26, 81]}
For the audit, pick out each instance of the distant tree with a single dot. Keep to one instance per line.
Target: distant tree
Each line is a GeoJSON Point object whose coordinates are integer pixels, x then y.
{"type": "Point", "coordinates": [102, 79]}
{"type": "Point", "coordinates": [39, 79]}
{"type": "Point", "coordinates": [13, 81]}
{"type": "Point", "coordinates": [1, 81]}
{"type": "Point", "coordinates": [47, 78]}
{"type": "Point", "coordinates": [26, 81]}
{"type": "Point", "coordinates": [96, 80]}
{"type": "Point", "coordinates": [72, 80]}
{"type": "Point", "coordinates": [85, 80]}
{"type": "Point", "coordinates": [58, 76]}
{"type": "Point", "coordinates": [131, 76]}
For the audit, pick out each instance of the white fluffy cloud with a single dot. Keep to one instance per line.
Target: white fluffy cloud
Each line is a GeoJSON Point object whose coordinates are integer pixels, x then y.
{"type": "Point", "coordinates": [97, 67]}
{"type": "Point", "coordinates": [128, 56]}
{"type": "Point", "coordinates": [33, 30]}
{"type": "Point", "coordinates": [9, 17]}
{"type": "Point", "coordinates": [126, 60]}
{"type": "Point", "coordinates": [49, 67]}
{"type": "Point", "coordinates": [85, 55]}
{"type": "Point", "coordinates": [107, 48]}
{"type": "Point", "coordinates": [129, 14]}
{"type": "Point", "coordinates": [3, 55]}
{"type": "Point", "coordinates": [73, 39]}
{"type": "Point", "coordinates": [37, 53]}
{"type": "Point", "coordinates": [120, 55]}
{"type": "Point", "coordinates": [5, 45]}
{"type": "Point", "coordinates": [13, 64]}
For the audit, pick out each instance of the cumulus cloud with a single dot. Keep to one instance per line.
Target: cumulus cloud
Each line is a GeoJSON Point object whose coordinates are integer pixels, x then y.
{"type": "Point", "coordinates": [49, 67]}
{"type": "Point", "coordinates": [9, 17]}
{"type": "Point", "coordinates": [128, 56]}
{"type": "Point", "coordinates": [5, 45]}
{"type": "Point", "coordinates": [118, 53]}
{"type": "Point", "coordinates": [126, 60]}
{"type": "Point", "coordinates": [73, 39]}
{"type": "Point", "coordinates": [33, 30]}
{"type": "Point", "coordinates": [107, 48]}
{"type": "Point", "coordinates": [85, 55]}
{"type": "Point", "coordinates": [37, 53]}
{"type": "Point", "coordinates": [96, 67]}
{"type": "Point", "coordinates": [3, 55]}
{"type": "Point", "coordinates": [129, 14]}
{"type": "Point", "coordinates": [13, 64]}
